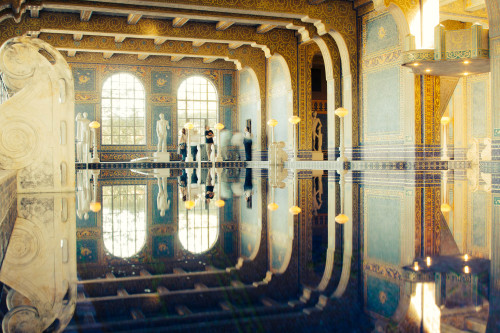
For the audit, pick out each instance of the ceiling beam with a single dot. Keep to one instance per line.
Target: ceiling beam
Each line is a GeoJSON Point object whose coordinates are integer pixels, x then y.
{"type": "Point", "coordinates": [198, 43]}
{"type": "Point", "coordinates": [176, 58]}
{"type": "Point", "coordinates": [107, 55]}
{"type": "Point", "coordinates": [71, 53]}
{"type": "Point", "coordinates": [133, 18]}
{"type": "Point", "coordinates": [85, 15]}
{"type": "Point", "coordinates": [120, 39]}
{"type": "Point", "coordinates": [223, 25]}
{"type": "Point", "coordinates": [209, 60]}
{"type": "Point", "coordinates": [160, 40]}
{"type": "Point", "coordinates": [234, 45]}
{"type": "Point", "coordinates": [142, 56]}
{"type": "Point", "coordinates": [179, 22]}
{"type": "Point", "coordinates": [77, 37]}
{"type": "Point", "coordinates": [263, 28]}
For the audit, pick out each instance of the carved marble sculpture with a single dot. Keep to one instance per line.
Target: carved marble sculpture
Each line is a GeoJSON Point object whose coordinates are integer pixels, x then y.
{"type": "Point", "coordinates": [38, 120]}
{"type": "Point", "coordinates": [43, 244]}
{"type": "Point", "coordinates": [161, 130]}
{"type": "Point", "coordinates": [317, 133]}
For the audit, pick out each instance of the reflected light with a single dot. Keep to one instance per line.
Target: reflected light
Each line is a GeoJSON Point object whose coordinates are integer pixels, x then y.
{"type": "Point", "coordinates": [428, 261]}
{"type": "Point", "coordinates": [465, 74]}
{"type": "Point", "coordinates": [189, 204]}
{"type": "Point", "coordinates": [295, 210]}
{"type": "Point", "coordinates": [95, 206]}
{"type": "Point", "coordinates": [341, 218]}
{"type": "Point", "coordinates": [466, 270]}
{"type": "Point", "coordinates": [415, 64]}
{"type": "Point", "coordinates": [428, 70]}
{"type": "Point", "coordinates": [466, 257]}
{"type": "Point", "coordinates": [220, 203]}
{"type": "Point", "coordinates": [445, 208]}
{"type": "Point", "coordinates": [272, 206]}
{"type": "Point", "coordinates": [415, 267]}
{"type": "Point", "coordinates": [466, 62]}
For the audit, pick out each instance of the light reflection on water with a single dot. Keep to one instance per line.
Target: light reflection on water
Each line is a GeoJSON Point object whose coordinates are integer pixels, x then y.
{"type": "Point", "coordinates": [177, 248]}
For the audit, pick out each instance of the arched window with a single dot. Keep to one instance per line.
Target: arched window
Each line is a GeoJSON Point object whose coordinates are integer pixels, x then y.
{"type": "Point", "coordinates": [123, 111]}
{"type": "Point", "coordinates": [124, 219]}
{"type": "Point", "coordinates": [196, 102]}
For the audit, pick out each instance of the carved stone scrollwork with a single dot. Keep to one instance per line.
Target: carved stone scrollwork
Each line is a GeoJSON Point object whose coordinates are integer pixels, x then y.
{"type": "Point", "coordinates": [23, 319]}
{"type": "Point", "coordinates": [43, 95]}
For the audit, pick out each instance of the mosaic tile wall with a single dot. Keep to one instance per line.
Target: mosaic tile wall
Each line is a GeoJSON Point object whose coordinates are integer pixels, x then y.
{"type": "Point", "coordinates": [161, 84]}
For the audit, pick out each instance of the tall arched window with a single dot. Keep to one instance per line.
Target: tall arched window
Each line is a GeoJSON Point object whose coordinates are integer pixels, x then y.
{"type": "Point", "coordinates": [197, 102]}
{"type": "Point", "coordinates": [123, 111]}
{"type": "Point", "coordinates": [124, 219]}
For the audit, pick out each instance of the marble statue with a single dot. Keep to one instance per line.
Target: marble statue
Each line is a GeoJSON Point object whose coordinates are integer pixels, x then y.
{"type": "Point", "coordinates": [162, 200]}
{"type": "Point", "coordinates": [78, 137]}
{"type": "Point", "coordinates": [83, 194]}
{"type": "Point", "coordinates": [161, 130]}
{"type": "Point", "coordinates": [38, 119]}
{"type": "Point", "coordinates": [317, 132]}
{"type": "Point", "coordinates": [83, 134]}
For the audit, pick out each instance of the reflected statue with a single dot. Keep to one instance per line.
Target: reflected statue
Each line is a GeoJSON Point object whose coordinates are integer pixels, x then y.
{"type": "Point", "coordinates": [209, 187]}
{"type": "Point", "coordinates": [317, 133]}
{"type": "Point", "coordinates": [83, 194]}
{"type": "Point", "coordinates": [248, 188]}
{"type": "Point", "coordinates": [161, 131]}
{"type": "Point", "coordinates": [162, 200]}
{"type": "Point", "coordinates": [317, 194]}
{"type": "Point", "coordinates": [42, 245]}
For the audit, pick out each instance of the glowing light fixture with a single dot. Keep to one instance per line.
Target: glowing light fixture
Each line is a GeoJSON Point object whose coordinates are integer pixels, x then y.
{"type": "Point", "coordinates": [465, 74]}
{"type": "Point", "coordinates": [445, 120]}
{"type": "Point", "coordinates": [466, 270]}
{"type": "Point", "coordinates": [466, 257]}
{"type": "Point", "coordinates": [219, 126]}
{"type": "Point", "coordinates": [428, 261]}
{"type": "Point", "coordinates": [295, 210]}
{"type": "Point", "coordinates": [272, 206]}
{"type": "Point", "coordinates": [415, 64]}
{"type": "Point", "coordinates": [189, 126]}
{"type": "Point", "coordinates": [341, 218]}
{"type": "Point", "coordinates": [220, 203]}
{"type": "Point", "coordinates": [95, 207]}
{"type": "Point", "coordinates": [428, 70]}
{"type": "Point", "coordinates": [294, 120]}
{"type": "Point", "coordinates": [341, 112]}
{"type": "Point", "coordinates": [466, 62]}
{"type": "Point", "coordinates": [272, 122]}
{"type": "Point", "coordinates": [94, 124]}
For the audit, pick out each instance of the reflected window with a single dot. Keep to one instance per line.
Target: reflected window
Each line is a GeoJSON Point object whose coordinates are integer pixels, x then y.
{"type": "Point", "coordinates": [123, 111]}
{"type": "Point", "coordinates": [198, 227]}
{"type": "Point", "coordinates": [197, 102]}
{"type": "Point", "coordinates": [124, 219]}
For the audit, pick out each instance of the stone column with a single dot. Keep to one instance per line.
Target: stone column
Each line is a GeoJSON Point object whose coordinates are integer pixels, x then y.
{"type": "Point", "coordinates": [427, 117]}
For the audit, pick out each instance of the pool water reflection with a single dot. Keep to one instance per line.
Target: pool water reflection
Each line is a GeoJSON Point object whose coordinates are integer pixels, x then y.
{"type": "Point", "coordinates": [224, 249]}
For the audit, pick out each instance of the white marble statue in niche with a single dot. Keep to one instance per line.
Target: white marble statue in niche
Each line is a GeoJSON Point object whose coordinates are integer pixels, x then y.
{"type": "Point", "coordinates": [162, 126]}
{"type": "Point", "coordinates": [317, 133]}
{"type": "Point", "coordinates": [162, 200]}
{"type": "Point", "coordinates": [83, 137]}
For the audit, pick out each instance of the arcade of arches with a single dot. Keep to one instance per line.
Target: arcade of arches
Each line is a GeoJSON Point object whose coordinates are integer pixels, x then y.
{"type": "Point", "coordinates": [355, 165]}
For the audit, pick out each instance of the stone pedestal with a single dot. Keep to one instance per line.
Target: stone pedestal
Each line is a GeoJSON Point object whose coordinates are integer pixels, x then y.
{"type": "Point", "coordinates": [162, 156]}
{"type": "Point", "coordinates": [317, 156]}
